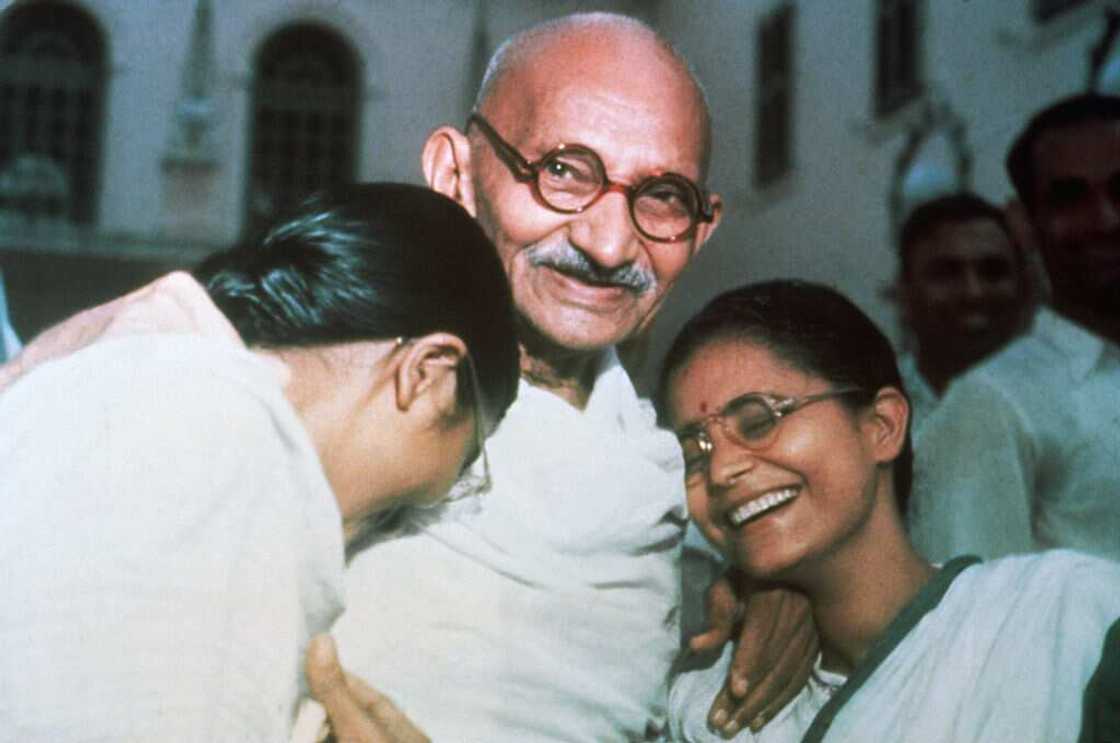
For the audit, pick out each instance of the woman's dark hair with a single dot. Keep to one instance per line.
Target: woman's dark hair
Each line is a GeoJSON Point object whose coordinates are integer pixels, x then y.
{"type": "Point", "coordinates": [369, 262]}
{"type": "Point", "coordinates": [814, 329]}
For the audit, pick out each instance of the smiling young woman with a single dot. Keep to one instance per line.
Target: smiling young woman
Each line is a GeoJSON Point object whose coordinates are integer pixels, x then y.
{"type": "Point", "coordinates": [794, 426]}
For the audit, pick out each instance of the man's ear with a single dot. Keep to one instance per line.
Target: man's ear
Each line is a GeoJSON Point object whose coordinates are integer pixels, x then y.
{"type": "Point", "coordinates": [446, 162]}
{"type": "Point", "coordinates": [887, 424]}
{"type": "Point", "coordinates": [704, 230]}
{"type": "Point", "coordinates": [426, 371]}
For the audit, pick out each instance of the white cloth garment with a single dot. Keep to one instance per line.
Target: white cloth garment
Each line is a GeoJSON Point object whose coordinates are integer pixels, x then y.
{"type": "Point", "coordinates": [170, 545]}
{"type": "Point", "coordinates": [1000, 653]}
{"type": "Point", "coordinates": [547, 608]}
{"type": "Point", "coordinates": [1023, 452]}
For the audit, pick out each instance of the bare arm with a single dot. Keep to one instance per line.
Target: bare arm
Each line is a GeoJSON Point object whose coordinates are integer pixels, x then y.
{"type": "Point", "coordinates": [776, 647]}
{"type": "Point", "coordinates": [356, 712]}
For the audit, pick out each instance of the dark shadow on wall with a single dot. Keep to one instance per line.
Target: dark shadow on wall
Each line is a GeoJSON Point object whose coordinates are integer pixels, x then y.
{"type": "Point", "coordinates": [44, 288]}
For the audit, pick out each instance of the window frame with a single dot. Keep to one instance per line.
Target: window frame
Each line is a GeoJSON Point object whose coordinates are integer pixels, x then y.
{"type": "Point", "coordinates": [899, 35]}
{"type": "Point", "coordinates": [775, 106]}
{"type": "Point", "coordinates": [318, 125]}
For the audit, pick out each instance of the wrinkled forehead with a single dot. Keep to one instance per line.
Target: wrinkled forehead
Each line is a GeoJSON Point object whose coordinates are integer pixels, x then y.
{"type": "Point", "coordinates": [637, 107]}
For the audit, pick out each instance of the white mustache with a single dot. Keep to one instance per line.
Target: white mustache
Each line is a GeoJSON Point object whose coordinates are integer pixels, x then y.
{"type": "Point", "coordinates": [565, 257]}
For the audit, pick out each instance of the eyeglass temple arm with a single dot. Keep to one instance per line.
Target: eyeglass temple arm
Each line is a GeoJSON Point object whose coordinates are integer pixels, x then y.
{"type": "Point", "coordinates": [522, 169]}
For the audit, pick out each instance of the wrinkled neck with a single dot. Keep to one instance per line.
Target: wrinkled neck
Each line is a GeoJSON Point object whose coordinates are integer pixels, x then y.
{"type": "Point", "coordinates": [569, 376]}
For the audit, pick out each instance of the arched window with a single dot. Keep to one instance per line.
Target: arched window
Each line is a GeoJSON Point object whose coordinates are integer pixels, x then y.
{"type": "Point", "coordinates": [304, 118]}
{"type": "Point", "coordinates": [899, 77]}
{"type": "Point", "coordinates": [52, 81]}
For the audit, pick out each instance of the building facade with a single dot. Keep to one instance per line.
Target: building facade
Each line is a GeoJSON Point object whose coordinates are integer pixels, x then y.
{"type": "Point", "coordinates": [138, 136]}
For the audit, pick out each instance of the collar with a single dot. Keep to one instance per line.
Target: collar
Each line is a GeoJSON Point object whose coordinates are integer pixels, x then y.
{"type": "Point", "coordinates": [1083, 349]}
{"type": "Point", "coordinates": [926, 600]}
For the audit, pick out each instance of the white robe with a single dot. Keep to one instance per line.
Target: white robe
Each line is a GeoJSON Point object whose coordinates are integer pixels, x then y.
{"type": "Point", "coordinates": [170, 545]}
{"type": "Point", "coordinates": [547, 608]}
{"type": "Point", "coordinates": [1023, 452]}
{"type": "Point", "coordinates": [1000, 653]}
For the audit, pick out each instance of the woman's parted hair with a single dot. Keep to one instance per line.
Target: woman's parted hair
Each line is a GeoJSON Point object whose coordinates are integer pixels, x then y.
{"type": "Point", "coordinates": [812, 328]}
{"type": "Point", "coordinates": [370, 262]}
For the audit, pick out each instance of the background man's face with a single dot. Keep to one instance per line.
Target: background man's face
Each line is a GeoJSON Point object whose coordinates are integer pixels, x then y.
{"type": "Point", "coordinates": [586, 281]}
{"type": "Point", "coordinates": [1077, 212]}
{"type": "Point", "coordinates": [964, 290]}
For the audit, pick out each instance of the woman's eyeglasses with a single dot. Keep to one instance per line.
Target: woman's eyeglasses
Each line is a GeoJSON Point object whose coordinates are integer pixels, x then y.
{"type": "Point", "coordinates": [749, 420]}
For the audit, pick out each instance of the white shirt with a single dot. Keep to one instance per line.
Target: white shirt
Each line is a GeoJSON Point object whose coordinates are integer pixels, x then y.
{"type": "Point", "coordinates": [1023, 452]}
{"type": "Point", "coordinates": [1002, 652]}
{"type": "Point", "coordinates": [547, 608]}
{"type": "Point", "coordinates": [170, 543]}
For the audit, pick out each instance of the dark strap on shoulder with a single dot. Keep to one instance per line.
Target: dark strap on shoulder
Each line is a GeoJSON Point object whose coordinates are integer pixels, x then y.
{"type": "Point", "coordinates": [927, 598]}
{"type": "Point", "coordinates": [1100, 719]}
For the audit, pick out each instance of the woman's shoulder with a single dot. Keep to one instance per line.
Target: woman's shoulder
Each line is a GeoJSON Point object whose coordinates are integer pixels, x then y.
{"type": "Point", "coordinates": [160, 371]}
{"type": "Point", "coordinates": [1062, 571]}
{"type": "Point", "coordinates": [1048, 592]}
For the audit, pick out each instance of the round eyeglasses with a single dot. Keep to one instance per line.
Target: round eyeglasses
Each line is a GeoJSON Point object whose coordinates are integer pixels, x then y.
{"type": "Point", "coordinates": [571, 177]}
{"type": "Point", "coordinates": [748, 420]}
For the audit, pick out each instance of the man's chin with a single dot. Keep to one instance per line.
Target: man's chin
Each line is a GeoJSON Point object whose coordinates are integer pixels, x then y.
{"type": "Point", "coordinates": [576, 331]}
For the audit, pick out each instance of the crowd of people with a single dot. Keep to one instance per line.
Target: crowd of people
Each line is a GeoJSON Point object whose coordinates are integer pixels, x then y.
{"type": "Point", "coordinates": [384, 455]}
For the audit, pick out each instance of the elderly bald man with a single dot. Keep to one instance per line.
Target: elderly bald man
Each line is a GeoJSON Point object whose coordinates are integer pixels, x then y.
{"type": "Point", "coordinates": [548, 609]}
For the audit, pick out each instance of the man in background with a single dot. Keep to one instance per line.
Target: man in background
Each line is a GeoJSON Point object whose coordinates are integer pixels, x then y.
{"type": "Point", "coordinates": [1021, 454]}
{"type": "Point", "coordinates": [963, 291]}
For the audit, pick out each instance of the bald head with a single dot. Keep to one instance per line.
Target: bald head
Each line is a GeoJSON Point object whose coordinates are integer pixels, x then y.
{"type": "Point", "coordinates": [631, 121]}
{"type": "Point", "coordinates": [595, 49]}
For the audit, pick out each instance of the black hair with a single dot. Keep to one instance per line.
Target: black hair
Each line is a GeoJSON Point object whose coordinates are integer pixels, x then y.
{"type": "Point", "coordinates": [1066, 112]}
{"type": "Point", "coordinates": [811, 327]}
{"type": "Point", "coordinates": [926, 219]}
{"type": "Point", "coordinates": [369, 262]}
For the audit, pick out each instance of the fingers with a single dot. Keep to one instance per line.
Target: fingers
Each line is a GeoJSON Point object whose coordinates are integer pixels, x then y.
{"type": "Point", "coordinates": [357, 712]}
{"type": "Point", "coordinates": [768, 696]}
{"type": "Point", "coordinates": [773, 691]}
{"type": "Point", "coordinates": [329, 687]}
{"type": "Point", "coordinates": [772, 660]}
{"type": "Point", "coordinates": [723, 611]}
{"type": "Point", "coordinates": [793, 687]}
{"type": "Point", "coordinates": [325, 676]}
{"type": "Point", "coordinates": [397, 727]}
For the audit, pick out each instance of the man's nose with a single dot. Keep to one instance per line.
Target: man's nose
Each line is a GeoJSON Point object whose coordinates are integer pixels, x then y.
{"type": "Point", "coordinates": [973, 284]}
{"type": "Point", "coordinates": [1106, 214]}
{"type": "Point", "coordinates": [605, 232]}
{"type": "Point", "coordinates": [728, 461]}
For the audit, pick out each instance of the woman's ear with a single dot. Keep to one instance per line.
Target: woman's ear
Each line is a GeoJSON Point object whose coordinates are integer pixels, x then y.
{"type": "Point", "coordinates": [446, 162]}
{"type": "Point", "coordinates": [887, 424]}
{"type": "Point", "coordinates": [427, 372]}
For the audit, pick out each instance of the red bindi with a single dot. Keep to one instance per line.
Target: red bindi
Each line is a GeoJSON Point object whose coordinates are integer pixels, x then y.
{"type": "Point", "coordinates": [703, 407]}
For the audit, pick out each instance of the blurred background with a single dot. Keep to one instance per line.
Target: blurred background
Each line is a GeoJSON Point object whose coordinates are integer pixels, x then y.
{"type": "Point", "coordinates": [138, 135]}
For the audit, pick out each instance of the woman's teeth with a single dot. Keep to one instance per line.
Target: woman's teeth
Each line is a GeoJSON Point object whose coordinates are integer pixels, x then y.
{"type": "Point", "coordinates": [748, 511]}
